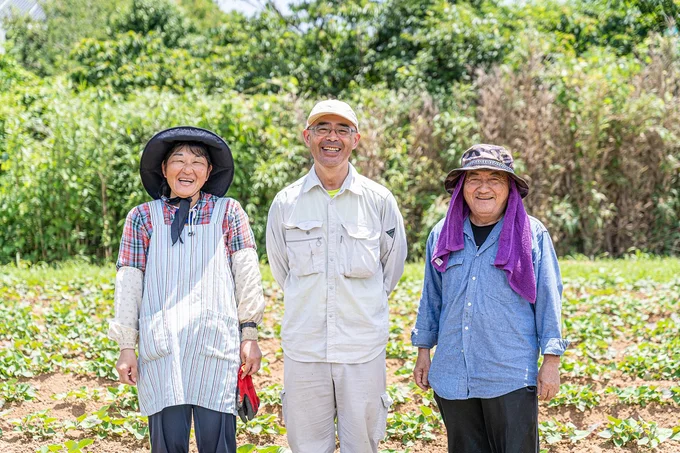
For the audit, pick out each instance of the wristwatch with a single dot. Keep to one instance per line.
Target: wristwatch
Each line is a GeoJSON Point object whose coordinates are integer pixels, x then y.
{"type": "Point", "coordinates": [247, 324]}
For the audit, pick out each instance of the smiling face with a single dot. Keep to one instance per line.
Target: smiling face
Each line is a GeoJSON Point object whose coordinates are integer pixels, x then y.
{"type": "Point", "coordinates": [186, 169]}
{"type": "Point", "coordinates": [486, 193]}
{"type": "Point", "coordinates": [331, 152]}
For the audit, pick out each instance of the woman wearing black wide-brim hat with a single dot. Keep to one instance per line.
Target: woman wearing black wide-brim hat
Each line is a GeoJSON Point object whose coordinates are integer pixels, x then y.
{"type": "Point", "coordinates": [189, 288]}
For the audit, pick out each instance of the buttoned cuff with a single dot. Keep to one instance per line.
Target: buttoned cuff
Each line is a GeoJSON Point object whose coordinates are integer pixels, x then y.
{"type": "Point", "coordinates": [554, 346]}
{"type": "Point", "coordinates": [124, 336]}
{"type": "Point", "coordinates": [423, 338]}
{"type": "Point", "coordinates": [249, 333]}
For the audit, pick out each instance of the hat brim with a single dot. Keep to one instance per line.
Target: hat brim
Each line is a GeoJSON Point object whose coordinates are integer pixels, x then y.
{"type": "Point", "coordinates": [157, 147]}
{"type": "Point", "coordinates": [452, 178]}
{"type": "Point", "coordinates": [314, 118]}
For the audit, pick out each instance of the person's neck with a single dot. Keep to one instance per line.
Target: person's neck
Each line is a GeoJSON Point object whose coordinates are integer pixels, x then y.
{"type": "Point", "coordinates": [484, 221]}
{"type": "Point", "coordinates": [332, 178]}
{"type": "Point", "coordinates": [194, 198]}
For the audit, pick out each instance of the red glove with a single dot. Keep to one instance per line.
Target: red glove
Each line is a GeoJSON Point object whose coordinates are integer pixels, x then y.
{"type": "Point", "coordinates": [248, 402]}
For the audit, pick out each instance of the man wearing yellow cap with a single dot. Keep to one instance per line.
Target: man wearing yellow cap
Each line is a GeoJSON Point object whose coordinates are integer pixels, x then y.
{"type": "Point", "coordinates": [336, 245]}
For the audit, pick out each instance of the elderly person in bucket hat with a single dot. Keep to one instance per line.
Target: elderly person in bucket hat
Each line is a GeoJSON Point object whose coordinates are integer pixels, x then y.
{"type": "Point", "coordinates": [188, 287]}
{"type": "Point", "coordinates": [336, 245]}
{"type": "Point", "coordinates": [491, 304]}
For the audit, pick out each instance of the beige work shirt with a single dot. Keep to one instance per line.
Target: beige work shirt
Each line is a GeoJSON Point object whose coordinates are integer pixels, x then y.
{"type": "Point", "coordinates": [337, 260]}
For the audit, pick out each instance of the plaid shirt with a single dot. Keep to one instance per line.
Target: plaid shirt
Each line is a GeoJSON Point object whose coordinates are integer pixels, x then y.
{"type": "Point", "coordinates": [134, 244]}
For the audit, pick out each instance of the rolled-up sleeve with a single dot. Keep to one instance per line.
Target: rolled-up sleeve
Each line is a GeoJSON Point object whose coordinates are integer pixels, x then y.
{"type": "Point", "coordinates": [426, 332]}
{"type": "Point", "coordinates": [548, 298]}
{"type": "Point", "coordinates": [393, 247]}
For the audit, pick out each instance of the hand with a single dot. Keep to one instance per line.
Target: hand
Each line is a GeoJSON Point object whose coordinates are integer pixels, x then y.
{"type": "Point", "coordinates": [251, 356]}
{"type": "Point", "coordinates": [422, 369]}
{"type": "Point", "coordinates": [549, 377]}
{"type": "Point", "coordinates": [127, 367]}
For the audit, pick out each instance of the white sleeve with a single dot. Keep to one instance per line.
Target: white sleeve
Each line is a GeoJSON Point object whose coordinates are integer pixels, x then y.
{"type": "Point", "coordinates": [245, 268]}
{"type": "Point", "coordinates": [392, 245]}
{"type": "Point", "coordinates": [276, 244]}
{"type": "Point", "coordinates": [127, 300]}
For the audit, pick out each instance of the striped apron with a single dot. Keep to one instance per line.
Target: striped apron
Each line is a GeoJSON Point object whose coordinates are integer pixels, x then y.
{"type": "Point", "coordinates": [189, 345]}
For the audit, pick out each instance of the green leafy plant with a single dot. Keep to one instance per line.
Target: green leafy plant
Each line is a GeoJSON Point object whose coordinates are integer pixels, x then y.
{"type": "Point", "coordinates": [641, 396]}
{"type": "Point", "coordinates": [399, 393]}
{"type": "Point", "coordinates": [38, 425]}
{"type": "Point", "coordinates": [581, 397]}
{"type": "Point", "coordinates": [70, 446]}
{"type": "Point", "coordinates": [262, 424]}
{"type": "Point", "coordinates": [250, 448]}
{"type": "Point", "coordinates": [553, 432]}
{"type": "Point", "coordinates": [622, 432]}
{"type": "Point", "coordinates": [13, 390]}
{"type": "Point", "coordinates": [412, 426]}
{"type": "Point", "coordinates": [270, 395]}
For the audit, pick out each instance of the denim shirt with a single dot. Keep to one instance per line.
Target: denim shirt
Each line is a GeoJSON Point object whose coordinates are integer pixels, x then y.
{"type": "Point", "coordinates": [488, 337]}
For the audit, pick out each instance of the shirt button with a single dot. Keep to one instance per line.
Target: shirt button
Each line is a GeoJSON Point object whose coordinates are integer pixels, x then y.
{"type": "Point", "coordinates": [331, 260]}
{"type": "Point", "coordinates": [474, 278]}
{"type": "Point", "coordinates": [466, 327]}
{"type": "Point", "coordinates": [308, 232]}
{"type": "Point", "coordinates": [462, 350]}
{"type": "Point", "coordinates": [469, 304]}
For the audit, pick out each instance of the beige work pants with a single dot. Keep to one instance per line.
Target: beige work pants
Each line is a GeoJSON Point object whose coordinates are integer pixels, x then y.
{"type": "Point", "coordinates": [317, 393]}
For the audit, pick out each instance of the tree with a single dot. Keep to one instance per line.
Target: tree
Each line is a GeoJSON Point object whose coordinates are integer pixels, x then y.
{"type": "Point", "coordinates": [43, 46]}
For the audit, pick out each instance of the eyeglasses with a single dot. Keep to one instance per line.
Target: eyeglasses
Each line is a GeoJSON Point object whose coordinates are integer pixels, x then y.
{"type": "Point", "coordinates": [325, 131]}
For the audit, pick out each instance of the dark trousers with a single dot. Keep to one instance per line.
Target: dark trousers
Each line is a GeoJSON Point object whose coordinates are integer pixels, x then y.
{"type": "Point", "coordinates": [169, 430]}
{"type": "Point", "coordinates": [507, 424]}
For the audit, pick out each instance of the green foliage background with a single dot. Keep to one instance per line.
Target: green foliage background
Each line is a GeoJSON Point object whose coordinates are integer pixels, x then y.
{"type": "Point", "coordinates": [585, 93]}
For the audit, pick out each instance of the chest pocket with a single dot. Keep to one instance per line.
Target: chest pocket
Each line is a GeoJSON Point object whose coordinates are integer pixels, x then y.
{"type": "Point", "coordinates": [455, 259]}
{"type": "Point", "coordinates": [305, 248]}
{"type": "Point", "coordinates": [453, 277]}
{"type": "Point", "coordinates": [502, 293]}
{"type": "Point", "coordinates": [359, 251]}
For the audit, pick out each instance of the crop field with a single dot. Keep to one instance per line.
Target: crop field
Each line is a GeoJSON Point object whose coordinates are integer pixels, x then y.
{"type": "Point", "coordinates": [620, 377]}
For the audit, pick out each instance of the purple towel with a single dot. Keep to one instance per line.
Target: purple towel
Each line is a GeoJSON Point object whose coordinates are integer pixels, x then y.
{"type": "Point", "coordinates": [514, 248]}
{"type": "Point", "coordinates": [451, 236]}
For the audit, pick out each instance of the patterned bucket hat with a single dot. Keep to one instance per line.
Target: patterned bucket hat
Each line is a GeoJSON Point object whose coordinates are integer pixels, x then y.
{"type": "Point", "coordinates": [486, 157]}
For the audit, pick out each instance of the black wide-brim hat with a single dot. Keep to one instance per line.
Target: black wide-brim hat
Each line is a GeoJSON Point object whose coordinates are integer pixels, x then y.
{"type": "Point", "coordinates": [157, 147]}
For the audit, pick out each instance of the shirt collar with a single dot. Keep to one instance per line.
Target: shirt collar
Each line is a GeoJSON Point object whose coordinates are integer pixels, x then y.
{"type": "Point", "coordinates": [350, 183]}
{"type": "Point", "coordinates": [202, 200]}
{"type": "Point", "coordinates": [493, 236]}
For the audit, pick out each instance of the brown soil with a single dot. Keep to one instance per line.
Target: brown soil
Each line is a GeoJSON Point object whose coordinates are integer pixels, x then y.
{"type": "Point", "coordinates": [50, 384]}
{"type": "Point", "coordinates": [667, 415]}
